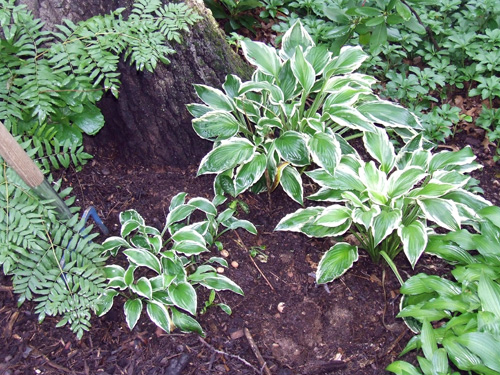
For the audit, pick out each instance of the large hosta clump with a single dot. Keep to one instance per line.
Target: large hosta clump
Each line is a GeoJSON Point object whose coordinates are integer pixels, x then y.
{"type": "Point", "coordinates": [300, 107]}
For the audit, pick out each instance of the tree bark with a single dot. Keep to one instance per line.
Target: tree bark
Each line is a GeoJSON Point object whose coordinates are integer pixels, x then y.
{"type": "Point", "coordinates": [149, 122]}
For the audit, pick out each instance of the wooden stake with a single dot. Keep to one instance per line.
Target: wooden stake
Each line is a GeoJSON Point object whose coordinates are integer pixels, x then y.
{"type": "Point", "coordinates": [256, 351]}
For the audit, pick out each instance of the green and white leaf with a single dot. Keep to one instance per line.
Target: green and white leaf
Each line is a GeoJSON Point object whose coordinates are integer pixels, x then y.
{"type": "Point", "coordinates": [159, 315]}
{"type": "Point", "coordinates": [144, 258]}
{"type": "Point", "coordinates": [291, 182]}
{"type": "Point", "coordinates": [214, 98]}
{"type": "Point", "coordinates": [216, 125]}
{"type": "Point", "coordinates": [296, 36]}
{"type": "Point", "coordinates": [335, 262]}
{"type": "Point", "coordinates": [263, 56]}
{"type": "Point", "coordinates": [183, 295]}
{"type": "Point", "coordinates": [414, 238]}
{"type": "Point", "coordinates": [132, 309]}
{"type": "Point", "coordinates": [443, 212]}
{"type": "Point", "coordinates": [325, 151]}
{"type": "Point", "coordinates": [384, 224]}
{"type": "Point", "coordinates": [230, 153]}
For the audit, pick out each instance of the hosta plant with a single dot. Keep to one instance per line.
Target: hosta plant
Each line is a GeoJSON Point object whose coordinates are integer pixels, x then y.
{"type": "Point", "coordinates": [458, 322]}
{"type": "Point", "coordinates": [293, 113]}
{"type": "Point", "coordinates": [166, 267]}
{"type": "Point", "coordinates": [389, 204]}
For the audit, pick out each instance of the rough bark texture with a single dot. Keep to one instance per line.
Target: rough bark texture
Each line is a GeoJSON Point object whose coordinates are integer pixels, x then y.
{"type": "Point", "coordinates": [149, 121]}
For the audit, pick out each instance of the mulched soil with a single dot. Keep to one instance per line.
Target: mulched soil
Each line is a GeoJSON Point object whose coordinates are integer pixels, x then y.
{"type": "Point", "coordinates": [299, 328]}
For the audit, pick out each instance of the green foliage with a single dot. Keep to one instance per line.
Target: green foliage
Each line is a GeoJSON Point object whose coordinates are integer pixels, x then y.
{"type": "Point", "coordinates": [457, 321]}
{"type": "Point", "coordinates": [52, 80]}
{"type": "Point", "coordinates": [293, 113]}
{"type": "Point", "coordinates": [164, 267]}
{"type": "Point", "coordinates": [52, 261]}
{"type": "Point", "coordinates": [388, 208]}
{"type": "Point", "coordinates": [234, 12]}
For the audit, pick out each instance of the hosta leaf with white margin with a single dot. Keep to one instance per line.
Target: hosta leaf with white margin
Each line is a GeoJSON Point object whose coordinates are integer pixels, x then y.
{"type": "Point", "coordinates": [227, 155]}
{"type": "Point", "coordinates": [379, 146]}
{"type": "Point", "coordinates": [333, 216]}
{"type": "Point", "coordinates": [276, 97]}
{"type": "Point", "coordinates": [325, 151]}
{"type": "Point", "coordinates": [375, 181]}
{"type": "Point", "coordinates": [350, 117]}
{"type": "Point", "coordinates": [318, 57]}
{"type": "Point", "coordinates": [159, 315]}
{"type": "Point", "coordinates": [214, 98]}
{"type": "Point", "coordinates": [414, 238]}
{"type": "Point", "coordinates": [344, 179]}
{"type": "Point", "coordinates": [183, 295]}
{"type": "Point", "coordinates": [221, 282]}
{"type": "Point", "coordinates": [485, 346]}
{"type": "Point", "coordinates": [204, 205]}
{"type": "Point", "coordinates": [384, 224]}
{"type": "Point", "coordinates": [292, 147]}
{"type": "Point", "coordinates": [291, 182]}
{"type": "Point", "coordinates": [288, 82]}
{"type": "Point", "coordinates": [448, 159]}
{"type": "Point", "coordinates": [489, 294]}
{"type": "Point", "coordinates": [442, 211]}
{"type": "Point", "coordinates": [263, 56]}
{"type": "Point", "coordinates": [144, 258]}
{"type": "Point", "coordinates": [232, 85]}
{"type": "Point", "coordinates": [216, 125]}
{"type": "Point", "coordinates": [389, 114]}
{"type": "Point", "coordinates": [296, 36]}
{"type": "Point", "coordinates": [345, 96]}
{"type": "Point", "coordinates": [105, 302]}
{"type": "Point", "coordinates": [188, 234]}
{"type": "Point", "coordinates": [133, 310]}
{"type": "Point", "coordinates": [365, 217]}
{"type": "Point", "coordinates": [314, 230]}
{"type": "Point", "coordinates": [432, 189]}
{"type": "Point", "coordinates": [402, 181]}
{"type": "Point", "coordinates": [186, 323]}
{"type": "Point", "coordinates": [143, 288]}
{"type": "Point", "coordinates": [248, 174]}
{"type": "Point", "coordinates": [349, 59]}
{"type": "Point", "coordinates": [114, 243]}
{"type": "Point", "coordinates": [335, 262]}
{"type": "Point", "coordinates": [303, 71]}
{"type": "Point", "coordinates": [295, 221]}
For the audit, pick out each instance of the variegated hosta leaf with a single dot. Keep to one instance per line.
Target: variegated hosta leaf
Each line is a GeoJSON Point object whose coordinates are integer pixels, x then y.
{"type": "Point", "coordinates": [292, 147]}
{"type": "Point", "coordinates": [132, 309]}
{"type": "Point", "coordinates": [232, 85]}
{"type": "Point", "coordinates": [303, 71]}
{"type": "Point", "coordinates": [159, 315]}
{"type": "Point", "coordinates": [375, 181]}
{"type": "Point", "coordinates": [319, 57]}
{"type": "Point", "coordinates": [349, 60]}
{"type": "Point", "coordinates": [227, 155]}
{"type": "Point", "coordinates": [327, 195]}
{"type": "Point", "coordinates": [350, 118]}
{"type": "Point", "coordinates": [447, 160]}
{"type": "Point", "coordinates": [249, 173]}
{"type": "Point", "coordinates": [296, 36]}
{"type": "Point", "coordinates": [414, 238]}
{"type": "Point", "coordinates": [346, 97]}
{"type": "Point", "coordinates": [365, 218]}
{"type": "Point", "coordinates": [291, 182]}
{"type": "Point", "coordinates": [384, 224]}
{"type": "Point", "coordinates": [344, 179]}
{"type": "Point", "coordinates": [335, 262]}
{"type": "Point", "coordinates": [402, 181]}
{"type": "Point", "coordinates": [295, 221]}
{"type": "Point", "coordinates": [251, 86]}
{"type": "Point", "coordinates": [432, 189]}
{"type": "Point", "coordinates": [333, 216]}
{"type": "Point", "coordinates": [325, 151]}
{"type": "Point", "coordinates": [263, 56]}
{"type": "Point", "coordinates": [389, 114]}
{"type": "Point", "coordinates": [183, 295]}
{"type": "Point", "coordinates": [441, 211]}
{"type": "Point", "coordinates": [214, 98]}
{"type": "Point", "coordinates": [216, 125]}
{"type": "Point", "coordinates": [379, 146]}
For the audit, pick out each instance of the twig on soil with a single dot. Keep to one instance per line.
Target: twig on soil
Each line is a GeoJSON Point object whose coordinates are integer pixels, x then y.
{"type": "Point", "coordinates": [393, 345]}
{"type": "Point", "coordinates": [37, 352]}
{"type": "Point", "coordinates": [256, 351]}
{"type": "Point", "coordinates": [240, 242]}
{"type": "Point", "coordinates": [230, 355]}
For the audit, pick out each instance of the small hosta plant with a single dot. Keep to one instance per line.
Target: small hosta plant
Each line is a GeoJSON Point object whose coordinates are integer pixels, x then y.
{"type": "Point", "coordinates": [165, 267]}
{"type": "Point", "coordinates": [300, 102]}
{"type": "Point", "coordinates": [458, 322]}
{"type": "Point", "coordinates": [390, 205]}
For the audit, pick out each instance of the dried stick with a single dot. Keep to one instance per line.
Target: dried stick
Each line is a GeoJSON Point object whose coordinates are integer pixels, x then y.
{"type": "Point", "coordinates": [240, 242]}
{"type": "Point", "coordinates": [256, 351]}
{"type": "Point", "coordinates": [230, 355]}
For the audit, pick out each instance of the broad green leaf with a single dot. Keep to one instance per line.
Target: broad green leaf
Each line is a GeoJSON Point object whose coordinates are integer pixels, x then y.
{"type": "Point", "coordinates": [335, 262]}
{"type": "Point", "coordinates": [346, 97]}
{"type": "Point", "coordinates": [423, 283]}
{"type": "Point", "coordinates": [327, 195]}
{"type": "Point", "coordinates": [318, 56]}
{"type": "Point", "coordinates": [333, 216]}
{"type": "Point", "coordinates": [432, 189]}
{"type": "Point", "coordinates": [314, 230]}
{"type": "Point", "coordinates": [350, 118]}
{"type": "Point", "coordinates": [294, 221]}
{"type": "Point", "coordinates": [349, 59]}
{"type": "Point", "coordinates": [204, 205]}
{"type": "Point", "coordinates": [113, 271]}
{"type": "Point", "coordinates": [227, 155]}
{"type": "Point", "coordinates": [489, 294]}
{"type": "Point", "coordinates": [90, 120]}
{"type": "Point", "coordinates": [389, 114]}
{"type": "Point", "coordinates": [403, 10]}
{"type": "Point", "coordinates": [403, 368]}
{"type": "Point", "coordinates": [292, 147]}
{"type": "Point", "coordinates": [365, 218]}
{"type": "Point", "coordinates": [384, 224]}
{"type": "Point", "coordinates": [378, 37]}
{"type": "Point", "coordinates": [132, 309]}
{"type": "Point", "coordinates": [183, 295]}
{"type": "Point", "coordinates": [221, 282]}
{"type": "Point", "coordinates": [414, 238]}
{"type": "Point", "coordinates": [189, 247]}
{"type": "Point", "coordinates": [248, 174]}
{"type": "Point", "coordinates": [287, 81]}
{"type": "Point", "coordinates": [144, 258]}
{"type": "Point", "coordinates": [188, 234]}
{"type": "Point", "coordinates": [492, 213]}
{"type": "Point", "coordinates": [303, 71]}
{"type": "Point", "coordinates": [325, 151]}
{"type": "Point", "coordinates": [245, 224]}
{"type": "Point", "coordinates": [179, 213]}
{"type": "Point", "coordinates": [291, 182]}
{"type": "Point", "coordinates": [474, 201]}
{"type": "Point", "coordinates": [186, 323]}
{"type": "Point", "coordinates": [214, 98]}
{"type": "Point", "coordinates": [296, 36]}
{"type": "Point", "coordinates": [380, 148]}
{"type": "Point", "coordinates": [105, 302]}
{"type": "Point", "coordinates": [448, 159]}
{"type": "Point", "coordinates": [428, 339]}
{"type": "Point", "coordinates": [177, 200]}
{"type": "Point", "coordinates": [401, 181]}
{"type": "Point", "coordinates": [232, 85]}
{"type": "Point", "coordinates": [143, 288]}
{"type": "Point", "coordinates": [442, 212]}
{"type": "Point", "coordinates": [158, 314]}
{"type": "Point", "coordinates": [198, 110]}
{"type": "Point", "coordinates": [263, 56]}
{"type": "Point", "coordinates": [485, 346]}
{"type": "Point", "coordinates": [460, 355]}
{"type": "Point", "coordinates": [216, 125]}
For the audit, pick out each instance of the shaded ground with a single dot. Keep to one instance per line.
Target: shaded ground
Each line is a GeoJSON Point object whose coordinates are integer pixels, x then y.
{"type": "Point", "coordinates": [349, 328]}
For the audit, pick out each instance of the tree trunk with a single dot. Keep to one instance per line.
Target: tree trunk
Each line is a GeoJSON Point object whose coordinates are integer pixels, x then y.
{"type": "Point", "coordinates": [149, 121]}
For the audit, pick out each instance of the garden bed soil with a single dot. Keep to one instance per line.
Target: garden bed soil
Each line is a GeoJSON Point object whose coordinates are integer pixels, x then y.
{"type": "Point", "coordinates": [299, 327]}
